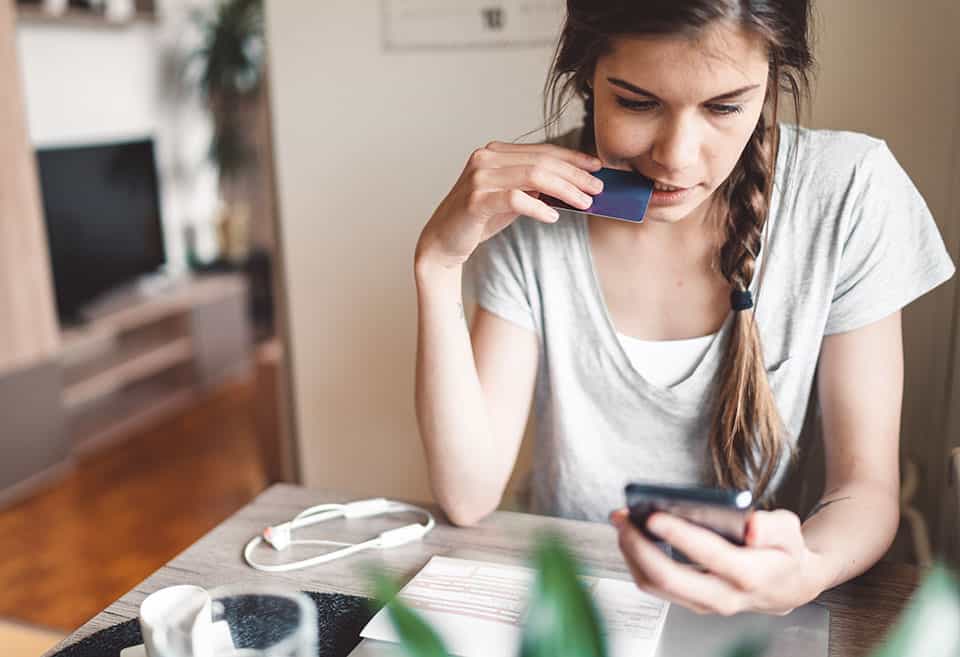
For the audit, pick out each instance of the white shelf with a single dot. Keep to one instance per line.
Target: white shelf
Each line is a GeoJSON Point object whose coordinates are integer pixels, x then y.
{"type": "Point", "coordinates": [133, 308]}
{"type": "Point", "coordinates": [133, 408]}
{"type": "Point", "coordinates": [78, 17]}
{"type": "Point", "coordinates": [123, 367]}
{"type": "Point", "coordinates": [142, 355]}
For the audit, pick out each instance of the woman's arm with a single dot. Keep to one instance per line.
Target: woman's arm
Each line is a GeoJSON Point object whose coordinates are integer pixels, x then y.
{"type": "Point", "coordinates": [860, 387]}
{"type": "Point", "coordinates": [473, 399]}
{"type": "Point", "coordinates": [783, 564]}
{"type": "Point", "coordinates": [472, 403]}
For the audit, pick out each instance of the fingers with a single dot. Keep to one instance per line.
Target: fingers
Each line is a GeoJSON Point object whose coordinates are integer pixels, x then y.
{"type": "Point", "coordinates": [619, 516]}
{"type": "Point", "coordinates": [569, 165]}
{"type": "Point", "coordinates": [511, 202]}
{"type": "Point", "coordinates": [505, 180]}
{"type": "Point", "coordinates": [657, 573]}
{"type": "Point", "coordinates": [536, 178]}
{"type": "Point", "coordinates": [704, 547]}
{"type": "Point", "coordinates": [775, 529]}
{"type": "Point", "coordinates": [576, 158]}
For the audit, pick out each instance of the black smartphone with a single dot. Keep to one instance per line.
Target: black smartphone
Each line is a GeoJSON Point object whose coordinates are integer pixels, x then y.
{"type": "Point", "coordinates": [723, 511]}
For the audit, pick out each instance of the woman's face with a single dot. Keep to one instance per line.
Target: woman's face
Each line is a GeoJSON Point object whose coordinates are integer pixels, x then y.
{"type": "Point", "coordinates": [679, 111]}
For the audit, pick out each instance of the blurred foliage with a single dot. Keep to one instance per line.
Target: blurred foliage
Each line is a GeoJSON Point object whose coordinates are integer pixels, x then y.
{"type": "Point", "coordinates": [562, 619]}
{"type": "Point", "coordinates": [229, 64]}
{"type": "Point", "coordinates": [930, 625]}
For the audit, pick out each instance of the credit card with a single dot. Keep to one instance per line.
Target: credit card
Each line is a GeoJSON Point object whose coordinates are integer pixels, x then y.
{"type": "Point", "coordinates": [625, 196]}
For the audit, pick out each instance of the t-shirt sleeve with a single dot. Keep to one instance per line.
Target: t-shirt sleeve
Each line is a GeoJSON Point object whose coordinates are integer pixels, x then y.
{"type": "Point", "coordinates": [500, 278]}
{"type": "Point", "coordinates": [892, 251]}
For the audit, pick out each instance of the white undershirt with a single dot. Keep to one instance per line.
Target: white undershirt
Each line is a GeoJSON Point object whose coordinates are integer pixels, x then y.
{"type": "Point", "coordinates": [665, 362]}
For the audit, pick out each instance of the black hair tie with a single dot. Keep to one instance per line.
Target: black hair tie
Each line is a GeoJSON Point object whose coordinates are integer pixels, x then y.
{"type": "Point", "coordinates": [741, 300]}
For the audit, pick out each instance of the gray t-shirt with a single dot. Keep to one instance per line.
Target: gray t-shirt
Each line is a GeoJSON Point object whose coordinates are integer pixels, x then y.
{"type": "Point", "coordinates": [850, 242]}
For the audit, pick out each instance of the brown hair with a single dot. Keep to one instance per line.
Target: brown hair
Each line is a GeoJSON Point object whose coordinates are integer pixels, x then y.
{"type": "Point", "coordinates": [747, 437]}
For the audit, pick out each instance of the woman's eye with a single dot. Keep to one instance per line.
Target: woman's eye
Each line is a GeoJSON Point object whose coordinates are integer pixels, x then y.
{"type": "Point", "coordinates": [724, 110]}
{"type": "Point", "coordinates": [636, 105]}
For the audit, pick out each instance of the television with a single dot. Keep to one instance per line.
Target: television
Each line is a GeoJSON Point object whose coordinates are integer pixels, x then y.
{"type": "Point", "coordinates": [101, 205]}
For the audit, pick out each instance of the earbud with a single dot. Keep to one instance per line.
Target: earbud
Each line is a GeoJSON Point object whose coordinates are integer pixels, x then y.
{"type": "Point", "coordinates": [280, 537]}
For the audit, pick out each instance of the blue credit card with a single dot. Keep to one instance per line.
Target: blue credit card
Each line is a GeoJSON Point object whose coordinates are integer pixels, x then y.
{"type": "Point", "coordinates": [625, 196]}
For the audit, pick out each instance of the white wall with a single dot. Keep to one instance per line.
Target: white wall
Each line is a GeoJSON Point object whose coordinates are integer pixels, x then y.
{"type": "Point", "coordinates": [88, 84]}
{"type": "Point", "coordinates": [367, 143]}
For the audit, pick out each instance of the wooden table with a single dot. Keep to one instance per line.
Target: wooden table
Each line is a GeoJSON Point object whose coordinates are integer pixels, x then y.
{"type": "Point", "coordinates": [861, 610]}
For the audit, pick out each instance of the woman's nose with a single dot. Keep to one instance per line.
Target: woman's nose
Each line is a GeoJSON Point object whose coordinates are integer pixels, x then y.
{"type": "Point", "coordinates": [676, 147]}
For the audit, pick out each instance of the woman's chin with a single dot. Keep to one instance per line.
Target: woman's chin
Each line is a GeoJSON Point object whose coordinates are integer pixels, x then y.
{"type": "Point", "coordinates": [672, 215]}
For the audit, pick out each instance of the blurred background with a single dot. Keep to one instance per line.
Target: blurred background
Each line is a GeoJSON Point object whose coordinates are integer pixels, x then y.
{"type": "Point", "coordinates": [208, 211]}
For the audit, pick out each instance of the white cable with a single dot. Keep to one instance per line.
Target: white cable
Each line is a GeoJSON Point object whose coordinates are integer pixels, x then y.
{"type": "Point", "coordinates": [280, 536]}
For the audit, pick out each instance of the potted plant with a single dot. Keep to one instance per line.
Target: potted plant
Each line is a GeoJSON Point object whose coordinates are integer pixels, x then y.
{"type": "Point", "coordinates": [228, 68]}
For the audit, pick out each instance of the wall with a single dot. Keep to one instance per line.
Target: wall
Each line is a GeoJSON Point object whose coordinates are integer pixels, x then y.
{"type": "Point", "coordinates": [87, 84]}
{"type": "Point", "coordinates": [894, 72]}
{"type": "Point", "coordinates": [368, 142]}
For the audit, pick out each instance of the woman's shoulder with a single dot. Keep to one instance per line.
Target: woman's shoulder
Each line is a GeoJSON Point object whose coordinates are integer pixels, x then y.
{"type": "Point", "coordinates": [823, 152]}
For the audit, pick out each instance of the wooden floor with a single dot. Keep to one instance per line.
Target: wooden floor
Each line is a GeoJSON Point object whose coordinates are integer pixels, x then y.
{"type": "Point", "coordinates": [70, 551]}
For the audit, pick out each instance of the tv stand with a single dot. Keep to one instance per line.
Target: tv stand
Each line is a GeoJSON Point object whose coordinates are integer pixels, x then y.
{"type": "Point", "coordinates": [141, 356]}
{"type": "Point", "coordinates": [135, 293]}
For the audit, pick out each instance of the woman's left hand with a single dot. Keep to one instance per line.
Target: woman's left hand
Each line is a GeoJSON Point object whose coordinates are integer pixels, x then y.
{"type": "Point", "coordinates": [774, 572]}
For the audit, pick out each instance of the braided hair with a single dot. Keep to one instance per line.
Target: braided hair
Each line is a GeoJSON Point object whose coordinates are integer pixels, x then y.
{"type": "Point", "coordinates": [747, 437]}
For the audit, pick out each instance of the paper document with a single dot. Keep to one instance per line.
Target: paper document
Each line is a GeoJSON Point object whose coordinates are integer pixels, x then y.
{"type": "Point", "coordinates": [477, 608]}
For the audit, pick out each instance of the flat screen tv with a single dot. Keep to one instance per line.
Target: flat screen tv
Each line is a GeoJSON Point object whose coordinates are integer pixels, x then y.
{"type": "Point", "coordinates": [102, 209]}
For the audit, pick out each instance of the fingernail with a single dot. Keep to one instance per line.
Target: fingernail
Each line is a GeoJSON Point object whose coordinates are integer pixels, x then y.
{"type": "Point", "coordinates": [597, 184]}
{"type": "Point", "coordinates": [586, 200]}
{"type": "Point", "coordinates": [616, 519]}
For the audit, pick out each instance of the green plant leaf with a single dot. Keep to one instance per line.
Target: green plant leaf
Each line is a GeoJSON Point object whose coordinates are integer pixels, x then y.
{"type": "Point", "coordinates": [930, 626]}
{"type": "Point", "coordinates": [232, 52]}
{"type": "Point", "coordinates": [229, 65]}
{"type": "Point", "coordinates": [561, 619]}
{"type": "Point", "coordinates": [416, 636]}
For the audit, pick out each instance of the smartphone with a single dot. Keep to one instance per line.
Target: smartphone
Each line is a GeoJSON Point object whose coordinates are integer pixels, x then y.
{"type": "Point", "coordinates": [723, 511]}
{"type": "Point", "coordinates": [625, 196]}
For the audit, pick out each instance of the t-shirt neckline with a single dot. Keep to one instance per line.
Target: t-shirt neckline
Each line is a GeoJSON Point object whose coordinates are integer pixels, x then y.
{"type": "Point", "coordinates": [608, 332]}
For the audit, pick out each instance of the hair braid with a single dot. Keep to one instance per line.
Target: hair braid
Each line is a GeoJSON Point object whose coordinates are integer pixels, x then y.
{"type": "Point", "coordinates": [747, 435]}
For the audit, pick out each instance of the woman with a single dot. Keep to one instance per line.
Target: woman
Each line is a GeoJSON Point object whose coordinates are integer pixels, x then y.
{"type": "Point", "coordinates": [649, 349]}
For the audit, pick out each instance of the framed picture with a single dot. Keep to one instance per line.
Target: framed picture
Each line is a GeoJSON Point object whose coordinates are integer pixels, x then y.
{"type": "Point", "coordinates": [428, 24]}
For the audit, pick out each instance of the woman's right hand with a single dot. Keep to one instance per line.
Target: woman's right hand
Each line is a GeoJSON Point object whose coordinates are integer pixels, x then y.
{"type": "Point", "coordinates": [499, 183]}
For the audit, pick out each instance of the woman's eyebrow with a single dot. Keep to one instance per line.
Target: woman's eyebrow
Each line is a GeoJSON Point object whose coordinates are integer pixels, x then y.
{"type": "Point", "coordinates": [623, 84]}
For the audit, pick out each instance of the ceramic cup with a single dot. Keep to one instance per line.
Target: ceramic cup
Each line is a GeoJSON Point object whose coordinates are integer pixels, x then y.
{"type": "Point", "coordinates": [176, 622]}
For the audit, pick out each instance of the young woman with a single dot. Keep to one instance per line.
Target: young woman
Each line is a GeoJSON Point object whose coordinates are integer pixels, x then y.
{"type": "Point", "coordinates": [682, 349]}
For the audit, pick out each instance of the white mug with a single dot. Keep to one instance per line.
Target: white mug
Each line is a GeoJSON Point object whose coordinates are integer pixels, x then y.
{"type": "Point", "coordinates": [176, 621]}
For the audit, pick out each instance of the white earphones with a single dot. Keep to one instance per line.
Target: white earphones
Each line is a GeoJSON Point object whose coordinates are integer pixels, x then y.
{"type": "Point", "coordinates": [280, 536]}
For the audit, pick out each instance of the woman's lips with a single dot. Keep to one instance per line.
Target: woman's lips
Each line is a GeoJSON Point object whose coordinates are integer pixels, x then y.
{"type": "Point", "coordinates": [669, 194]}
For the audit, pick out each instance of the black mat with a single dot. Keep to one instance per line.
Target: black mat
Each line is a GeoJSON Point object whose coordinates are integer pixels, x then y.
{"type": "Point", "coordinates": [339, 621]}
